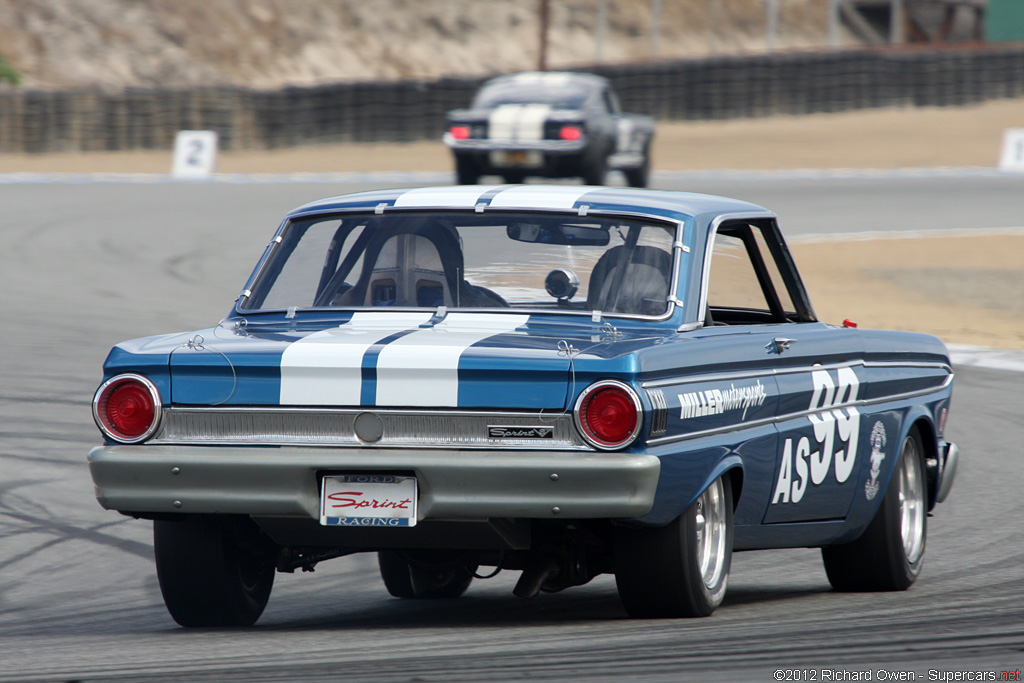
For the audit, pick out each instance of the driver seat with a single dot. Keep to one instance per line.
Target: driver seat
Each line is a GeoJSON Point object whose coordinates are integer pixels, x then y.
{"type": "Point", "coordinates": [642, 286]}
{"type": "Point", "coordinates": [408, 271]}
{"type": "Point", "coordinates": [419, 266]}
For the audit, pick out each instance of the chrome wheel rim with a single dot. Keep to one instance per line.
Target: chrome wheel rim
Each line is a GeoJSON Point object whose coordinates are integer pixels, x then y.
{"type": "Point", "coordinates": [711, 531]}
{"type": "Point", "coordinates": [912, 507]}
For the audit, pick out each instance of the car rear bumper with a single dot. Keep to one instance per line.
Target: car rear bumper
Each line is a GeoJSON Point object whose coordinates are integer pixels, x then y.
{"type": "Point", "coordinates": [950, 457]}
{"type": "Point", "coordinates": [453, 484]}
{"type": "Point", "coordinates": [626, 160]}
{"type": "Point", "coordinates": [490, 145]}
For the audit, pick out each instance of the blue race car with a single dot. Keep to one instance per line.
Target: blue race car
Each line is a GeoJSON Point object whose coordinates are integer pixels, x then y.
{"type": "Point", "coordinates": [562, 381]}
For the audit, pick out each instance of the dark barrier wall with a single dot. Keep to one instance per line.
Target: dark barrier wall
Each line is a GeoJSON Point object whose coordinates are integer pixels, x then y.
{"type": "Point", "coordinates": [714, 88]}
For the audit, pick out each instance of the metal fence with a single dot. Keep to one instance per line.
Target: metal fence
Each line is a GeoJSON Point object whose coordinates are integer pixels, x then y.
{"type": "Point", "coordinates": [712, 88]}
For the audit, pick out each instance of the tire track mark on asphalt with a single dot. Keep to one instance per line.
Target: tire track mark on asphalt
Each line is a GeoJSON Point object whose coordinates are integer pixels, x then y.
{"type": "Point", "coordinates": [37, 519]}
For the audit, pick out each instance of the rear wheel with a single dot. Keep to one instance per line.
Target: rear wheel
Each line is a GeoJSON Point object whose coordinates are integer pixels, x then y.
{"type": "Point", "coordinates": [425, 574]}
{"type": "Point", "coordinates": [641, 175]}
{"type": "Point", "coordinates": [889, 555]}
{"type": "Point", "coordinates": [513, 177]}
{"type": "Point", "coordinates": [682, 569]}
{"type": "Point", "coordinates": [466, 170]}
{"type": "Point", "coordinates": [595, 170]}
{"type": "Point", "coordinates": [214, 571]}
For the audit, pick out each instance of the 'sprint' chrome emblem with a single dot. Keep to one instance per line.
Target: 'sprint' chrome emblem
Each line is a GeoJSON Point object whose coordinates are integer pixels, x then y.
{"type": "Point", "coordinates": [520, 432]}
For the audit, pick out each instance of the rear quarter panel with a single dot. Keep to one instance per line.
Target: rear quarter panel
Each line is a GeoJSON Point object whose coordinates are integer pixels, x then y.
{"type": "Point", "coordinates": [811, 434]}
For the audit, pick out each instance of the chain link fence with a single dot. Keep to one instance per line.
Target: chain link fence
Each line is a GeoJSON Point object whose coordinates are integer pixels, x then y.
{"type": "Point", "coordinates": [693, 89]}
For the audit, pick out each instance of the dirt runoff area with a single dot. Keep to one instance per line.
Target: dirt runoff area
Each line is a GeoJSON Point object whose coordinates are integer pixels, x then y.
{"type": "Point", "coordinates": [965, 290]}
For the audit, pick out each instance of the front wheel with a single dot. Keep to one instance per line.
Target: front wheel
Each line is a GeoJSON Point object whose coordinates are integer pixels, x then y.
{"type": "Point", "coordinates": [682, 569]}
{"type": "Point", "coordinates": [889, 554]}
{"type": "Point", "coordinates": [214, 571]}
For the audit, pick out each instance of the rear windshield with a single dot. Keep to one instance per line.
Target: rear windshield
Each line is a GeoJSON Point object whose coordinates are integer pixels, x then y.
{"type": "Point", "coordinates": [558, 94]}
{"type": "Point", "coordinates": [558, 263]}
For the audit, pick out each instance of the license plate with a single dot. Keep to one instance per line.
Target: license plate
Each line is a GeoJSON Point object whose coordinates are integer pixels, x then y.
{"type": "Point", "coordinates": [368, 500]}
{"type": "Point", "coordinates": [504, 158]}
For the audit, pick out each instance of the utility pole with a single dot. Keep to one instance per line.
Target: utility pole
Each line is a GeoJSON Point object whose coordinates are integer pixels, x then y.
{"type": "Point", "coordinates": [545, 19]}
{"type": "Point", "coordinates": [712, 11]}
{"type": "Point", "coordinates": [602, 30]}
{"type": "Point", "coordinates": [896, 22]}
{"type": "Point", "coordinates": [655, 27]}
{"type": "Point", "coordinates": [771, 23]}
{"type": "Point", "coordinates": [833, 24]}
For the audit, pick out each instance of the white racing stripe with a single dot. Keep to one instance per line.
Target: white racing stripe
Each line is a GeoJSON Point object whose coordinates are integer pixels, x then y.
{"type": "Point", "coordinates": [531, 121]}
{"type": "Point", "coordinates": [540, 196]}
{"type": "Point", "coordinates": [465, 197]}
{"type": "Point", "coordinates": [422, 368]}
{"type": "Point", "coordinates": [518, 122]}
{"type": "Point", "coordinates": [549, 78]}
{"type": "Point", "coordinates": [325, 368]}
{"type": "Point", "coordinates": [501, 124]}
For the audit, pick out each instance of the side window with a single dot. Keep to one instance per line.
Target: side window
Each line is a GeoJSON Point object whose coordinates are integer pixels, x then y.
{"type": "Point", "coordinates": [745, 284]}
{"type": "Point", "coordinates": [611, 102]}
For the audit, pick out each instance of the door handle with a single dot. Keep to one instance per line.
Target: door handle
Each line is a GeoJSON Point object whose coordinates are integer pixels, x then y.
{"type": "Point", "coordinates": [779, 344]}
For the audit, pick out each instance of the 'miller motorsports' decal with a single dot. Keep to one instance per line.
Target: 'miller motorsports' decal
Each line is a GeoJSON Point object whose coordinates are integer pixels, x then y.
{"type": "Point", "coordinates": [500, 432]}
{"type": "Point", "coordinates": [716, 402]}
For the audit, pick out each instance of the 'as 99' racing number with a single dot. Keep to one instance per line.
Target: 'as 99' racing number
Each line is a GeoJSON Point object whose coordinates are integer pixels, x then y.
{"type": "Point", "coordinates": [835, 430]}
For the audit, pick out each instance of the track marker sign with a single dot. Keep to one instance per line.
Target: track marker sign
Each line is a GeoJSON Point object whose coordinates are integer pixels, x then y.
{"type": "Point", "coordinates": [195, 154]}
{"type": "Point", "coordinates": [1012, 158]}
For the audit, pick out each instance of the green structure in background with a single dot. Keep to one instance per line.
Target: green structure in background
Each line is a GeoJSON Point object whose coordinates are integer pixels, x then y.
{"type": "Point", "coordinates": [1004, 20]}
{"type": "Point", "coordinates": [8, 72]}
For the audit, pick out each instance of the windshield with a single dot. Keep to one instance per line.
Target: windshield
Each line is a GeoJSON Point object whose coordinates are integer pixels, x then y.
{"type": "Point", "coordinates": [558, 263]}
{"type": "Point", "coordinates": [559, 94]}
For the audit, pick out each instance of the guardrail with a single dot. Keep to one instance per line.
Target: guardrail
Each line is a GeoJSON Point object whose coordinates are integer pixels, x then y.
{"type": "Point", "coordinates": [37, 121]}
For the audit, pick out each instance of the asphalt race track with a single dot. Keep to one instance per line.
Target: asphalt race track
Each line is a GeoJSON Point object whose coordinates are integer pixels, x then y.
{"type": "Point", "coordinates": [86, 264]}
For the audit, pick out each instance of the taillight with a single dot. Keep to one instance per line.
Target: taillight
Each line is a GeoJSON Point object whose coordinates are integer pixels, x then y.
{"type": "Point", "coordinates": [609, 414]}
{"type": "Point", "coordinates": [570, 133]}
{"type": "Point", "coordinates": [460, 132]}
{"type": "Point", "coordinates": [127, 408]}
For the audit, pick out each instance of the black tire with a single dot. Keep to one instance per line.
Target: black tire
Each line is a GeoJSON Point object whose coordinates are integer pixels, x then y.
{"type": "Point", "coordinates": [678, 570]}
{"type": "Point", "coordinates": [889, 554]}
{"type": "Point", "coordinates": [513, 177]}
{"type": "Point", "coordinates": [214, 571]}
{"type": "Point", "coordinates": [425, 574]}
{"type": "Point", "coordinates": [466, 171]}
{"type": "Point", "coordinates": [641, 175]}
{"type": "Point", "coordinates": [595, 170]}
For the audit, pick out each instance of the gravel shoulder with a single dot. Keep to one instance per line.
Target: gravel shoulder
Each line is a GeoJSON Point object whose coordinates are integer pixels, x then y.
{"type": "Point", "coordinates": [965, 290]}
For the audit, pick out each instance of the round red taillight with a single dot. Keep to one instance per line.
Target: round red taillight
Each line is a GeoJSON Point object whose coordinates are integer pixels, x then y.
{"type": "Point", "coordinates": [127, 408]}
{"type": "Point", "coordinates": [460, 132]}
{"type": "Point", "coordinates": [570, 133]}
{"type": "Point", "coordinates": [609, 414]}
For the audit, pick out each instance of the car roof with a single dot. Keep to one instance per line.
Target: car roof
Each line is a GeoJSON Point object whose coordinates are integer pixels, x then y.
{"type": "Point", "coordinates": [578, 199]}
{"type": "Point", "coordinates": [555, 77]}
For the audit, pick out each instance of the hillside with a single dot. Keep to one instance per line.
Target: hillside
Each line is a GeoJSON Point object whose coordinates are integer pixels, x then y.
{"type": "Point", "coordinates": [114, 44]}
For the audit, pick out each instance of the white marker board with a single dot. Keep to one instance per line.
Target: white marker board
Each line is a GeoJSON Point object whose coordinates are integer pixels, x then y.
{"type": "Point", "coordinates": [195, 154]}
{"type": "Point", "coordinates": [1012, 158]}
